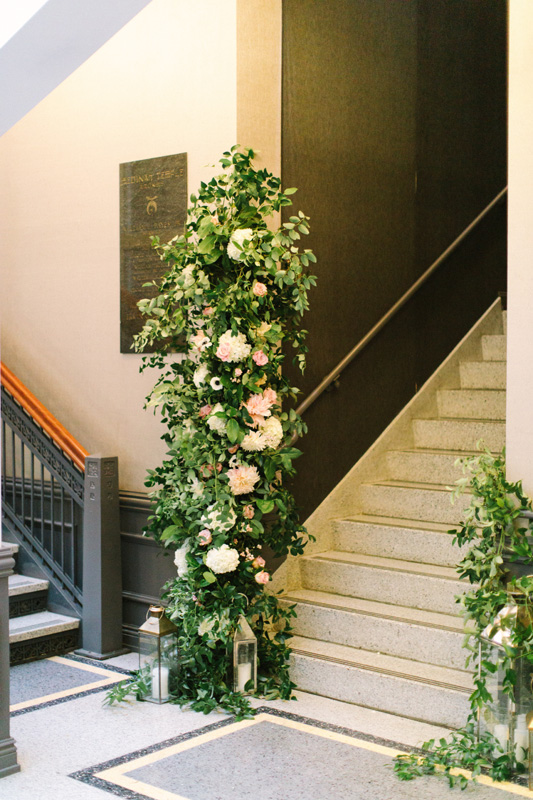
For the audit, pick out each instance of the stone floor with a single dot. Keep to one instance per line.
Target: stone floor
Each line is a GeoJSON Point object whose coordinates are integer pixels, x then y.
{"type": "Point", "coordinates": [71, 747]}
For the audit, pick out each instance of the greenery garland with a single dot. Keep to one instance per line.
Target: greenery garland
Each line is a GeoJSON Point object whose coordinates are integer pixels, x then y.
{"type": "Point", "coordinates": [228, 307]}
{"type": "Point", "coordinates": [490, 533]}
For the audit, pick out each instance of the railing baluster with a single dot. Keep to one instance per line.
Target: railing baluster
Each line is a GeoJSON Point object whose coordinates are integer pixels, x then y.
{"type": "Point", "coordinates": [3, 461]}
{"type": "Point", "coordinates": [43, 540]}
{"type": "Point", "coordinates": [23, 479]}
{"type": "Point", "coordinates": [52, 525]}
{"type": "Point", "coordinates": [13, 495]}
{"type": "Point", "coordinates": [32, 495]}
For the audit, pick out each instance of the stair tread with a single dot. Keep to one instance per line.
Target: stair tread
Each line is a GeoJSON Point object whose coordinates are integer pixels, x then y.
{"type": "Point", "coordinates": [23, 584]}
{"type": "Point", "coordinates": [380, 662]}
{"type": "Point", "coordinates": [394, 564]}
{"type": "Point", "coordinates": [375, 608]}
{"type": "Point", "coordinates": [462, 420]}
{"type": "Point", "coordinates": [42, 623]}
{"type": "Point", "coordinates": [433, 487]}
{"type": "Point", "coordinates": [399, 522]}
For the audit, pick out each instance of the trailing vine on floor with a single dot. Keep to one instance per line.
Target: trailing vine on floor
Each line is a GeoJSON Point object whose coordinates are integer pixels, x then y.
{"type": "Point", "coordinates": [492, 538]}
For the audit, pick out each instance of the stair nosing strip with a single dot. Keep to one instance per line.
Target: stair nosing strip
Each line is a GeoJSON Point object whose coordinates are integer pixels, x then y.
{"type": "Point", "coordinates": [318, 604]}
{"type": "Point", "coordinates": [381, 670]}
{"type": "Point", "coordinates": [319, 557]}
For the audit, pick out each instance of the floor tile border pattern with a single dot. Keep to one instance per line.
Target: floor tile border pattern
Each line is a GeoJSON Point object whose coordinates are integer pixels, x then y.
{"type": "Point", "coordinates": [88, 775]}
{"type": "Point", "coordinates": [74, 695]}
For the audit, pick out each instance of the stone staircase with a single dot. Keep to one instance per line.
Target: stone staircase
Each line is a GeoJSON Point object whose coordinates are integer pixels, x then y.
{"type": "Point", "coordinates": [377, 620]}
{"type": "Point", "coordinates": [34, 631]}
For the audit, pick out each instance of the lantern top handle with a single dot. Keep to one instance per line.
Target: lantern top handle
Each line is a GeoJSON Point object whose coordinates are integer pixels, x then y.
{"type": "Point", "coordinates": [157, 624]}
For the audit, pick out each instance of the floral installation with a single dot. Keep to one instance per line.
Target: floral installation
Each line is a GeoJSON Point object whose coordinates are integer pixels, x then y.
{"type": "Point", "coordinates": [226, 311]}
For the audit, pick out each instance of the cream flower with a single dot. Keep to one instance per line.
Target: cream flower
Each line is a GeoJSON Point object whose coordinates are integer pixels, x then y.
{"type": "Point", "coordinates": [271, 432]}
{"type": "Point", "coordinates": [236, 241]}
{"type": "Point", "coordinates": [200, 375]}
{"type": "Point", "coordinates": [180, 558]}
{"type": "Point", "coordinates": [263, 329]}
{"type": "Point", "coordinates": [222, 559]}
{"type": "Point", "coordinates": [233, 347]}
{"type": "Point", "coordinates": [217, 423]}
{"type": "Point", "coordinates": [200, 341]}
{"type": "Point", "coordinates": [242, 479]}
{"type": "Point", "coordinates": [253, 442]}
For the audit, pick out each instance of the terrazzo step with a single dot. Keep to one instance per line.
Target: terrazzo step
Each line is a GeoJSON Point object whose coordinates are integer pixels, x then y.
{"type": "Point", "coordinates": [410, 500]}
{"type": "Point", "coordinates": [404, 583]}
{"type": "Point", "coordinates": [458, 434]}
{"type": "Point", "coordinates": [424, 466]}
{"type": "Point", "coordinates": [494, 347]}
{"type": "Point", "coordinates": [379, 627]}
{"type": "Point", "coordinates": [504, 320]}
{"type": "Point", "coordinates": [390, 537]}
{"type": "Point", "coordinates": [41, 635]}
{"type": "Point", "coordinates": [472, 403]}
{"type": "Point", "coordinates": [399, 686]}
{"type": "Point", "coordinates": [26, 595]}
{"type": "Point", "coordinates": [483, 374]}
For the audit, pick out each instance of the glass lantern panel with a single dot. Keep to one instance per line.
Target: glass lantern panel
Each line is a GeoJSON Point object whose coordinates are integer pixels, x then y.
{"type": "Point", "coordinates": [496, 716]}
{"type": "Point", "coordinates": [245, 665]}
{"type": "Point", "coordinates": [158, 665]}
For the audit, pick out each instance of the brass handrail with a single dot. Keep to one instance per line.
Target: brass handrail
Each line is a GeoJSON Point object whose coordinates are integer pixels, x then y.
{"type": "Point", "coordinates": [335, 373]}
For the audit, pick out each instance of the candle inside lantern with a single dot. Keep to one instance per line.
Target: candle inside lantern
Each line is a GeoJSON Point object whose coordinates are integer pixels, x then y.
{"type": "Point", "coordinates": [244, 674]}
{"type": "Point", "coordinates": [159, 692]}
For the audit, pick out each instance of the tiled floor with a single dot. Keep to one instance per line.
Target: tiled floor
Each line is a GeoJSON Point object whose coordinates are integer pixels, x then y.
{"type": "Point", "coordinates": [71, 747]}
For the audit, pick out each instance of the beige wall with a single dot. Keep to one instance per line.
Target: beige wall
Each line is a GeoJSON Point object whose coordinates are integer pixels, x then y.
{"type": "Point", "coordinates": [166, 83]}
{"type": "Point", "coordinates": [520, 286]}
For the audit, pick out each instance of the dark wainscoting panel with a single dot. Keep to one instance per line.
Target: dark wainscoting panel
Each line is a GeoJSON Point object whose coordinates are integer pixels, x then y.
{"type": "Point", "coordinates": [145, 565]}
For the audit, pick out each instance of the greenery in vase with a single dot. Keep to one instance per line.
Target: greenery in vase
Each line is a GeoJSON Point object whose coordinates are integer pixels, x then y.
{"type": "Point", "coordinates": [491, 537]}
{"type": "Point", "coordinates": [228, 307]}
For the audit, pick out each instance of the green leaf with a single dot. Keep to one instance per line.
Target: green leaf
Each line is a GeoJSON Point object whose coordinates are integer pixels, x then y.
{"type": "Point", "coordinates": [233, 430]}
{"type": "Point", "coordinates": [209, 577]}
{"type": "Point", "coordinates": [170, 531]}
{"type": "Point", "coordinates": [290, 191]}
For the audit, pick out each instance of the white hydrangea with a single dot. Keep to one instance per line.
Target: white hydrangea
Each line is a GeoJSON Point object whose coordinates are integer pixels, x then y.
{"type": "Point", "coordinates": [272, 432]}
{"type": "Point", "coordinates": [200, 375]}
{"type": "Point", "coordinates": [216, 423]}
{"type": "Point", "coordinates": [238, 237]}
{"type": "Point", "coordinates": [222, 559]}
{"type": "Point", "coordinates": [236, 345]}
{"type": "Point", "coordinates": [219, 518]}
{"type": "Point", "coordinates": [253, 442]}
{"type": "Point", "coordinates": [180, 558]}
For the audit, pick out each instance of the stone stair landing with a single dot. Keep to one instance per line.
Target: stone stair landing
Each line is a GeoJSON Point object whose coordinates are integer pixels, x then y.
{"type": "Point", "coordinates": [378, 623]}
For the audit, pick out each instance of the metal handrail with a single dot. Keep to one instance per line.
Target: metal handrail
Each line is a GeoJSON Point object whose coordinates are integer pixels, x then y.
{"type": "Point", "coordinates": [335, 373]}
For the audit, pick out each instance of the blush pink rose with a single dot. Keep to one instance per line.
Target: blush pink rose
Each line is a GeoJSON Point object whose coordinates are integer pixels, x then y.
{"type": "Point", "coordinates": [204, 411]}
{"type": "Point", "coordinates": [260, 358]}
{"type": "Point", "coordinates": [270, 396]}
{"type": "Point", "coordinates": [224, 351]}
{"type": "Point", "coordinates": [208, 310]}
{"type": "Point", "coordinates": [238, 372]}
{"type": "Point", "coordinates": [259, 289]}
{"type": "Point", "coordinates": [262, 577]}
{"type": "Point", "coordinates": [205, 536]}
{"type": "Point", "coordinates": [248, 512]}
{"type": "Point", "coordinates": [259, 562]}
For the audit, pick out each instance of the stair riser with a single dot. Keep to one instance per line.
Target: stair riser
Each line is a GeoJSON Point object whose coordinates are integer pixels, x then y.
{"type": "Point", "coordinates": [420, 467]}
{"type": "Point", "coordinates": [426, 505]}
{"type": "Point", "coordinates": [389, 693]}
{"type": "Point", "coordinates": [29, 603]}
{"type": "Point", "coordinates": [381, 635]}
{"type": "Point", "coordinates": [483, 375]}
{"type": "Point", "coordinates": [494, 348]}
{"type": "Point", "coordinates": [386, 541]}
{"type": "Point", "coordinates": [446, 434]}
{"type": "Point", "coordinates": [472, 404]}
{"type": "Point", "coordinates": [386, 586]}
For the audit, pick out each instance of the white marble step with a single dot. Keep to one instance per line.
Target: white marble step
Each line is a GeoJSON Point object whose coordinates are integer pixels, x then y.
{"type": "Point", "coordinates": [22, 584]}
{"type": "Point", "coordinates": [387, 683]}
{"type": "Point", "coordinates": [458, 434]}
{"type": "Point", "coordinates": [379, 627]}
{"type": "Point", "coordinates": [425, 465]}
{"type": "Point", "coordinates": [386, 580]}
{"type": "Point", "coordinates": [472, 403]}
{"type": "Point", "coordinates": [412, 500]}
{"type": "Point", "coordinates": [44, 623]}
{"type": "Point", "coordinates": [494, 348]}
{"type": "Point", "coordinates": [483, 374]}
{"type": "Point", "coordinates": [393, 537]}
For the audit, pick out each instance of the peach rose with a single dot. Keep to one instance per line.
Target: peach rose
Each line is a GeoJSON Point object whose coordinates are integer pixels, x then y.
{"type": "Point", "coordinates": [260, 358]}
{"type": "Point", "coordinates": [259, 289]}
{"type": "Point", "coordinates": [259, 562]}
{"type": "Point", "coordinates": [208, 310]}
{"type": "Point", "coordinates": [262, 577]}
{"type": "Point", "coordinates": [248, 512]}
{"type": "Point", "coordinates": [204, 411]}
{"type": "Point", "coordinates": [205, 536]}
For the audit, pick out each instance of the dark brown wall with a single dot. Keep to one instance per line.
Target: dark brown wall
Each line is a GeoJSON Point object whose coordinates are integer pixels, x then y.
{"type": "Point", "coordinates": [375, 91]}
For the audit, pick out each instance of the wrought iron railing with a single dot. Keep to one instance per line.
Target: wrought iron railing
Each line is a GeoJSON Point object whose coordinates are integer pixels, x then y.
{"type": "Point", "coordinates": [61, 505]}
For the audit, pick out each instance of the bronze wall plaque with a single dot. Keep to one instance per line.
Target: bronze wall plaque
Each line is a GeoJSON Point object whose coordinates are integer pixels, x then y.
{"type": "Point", "coordinates": [153, 202]}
